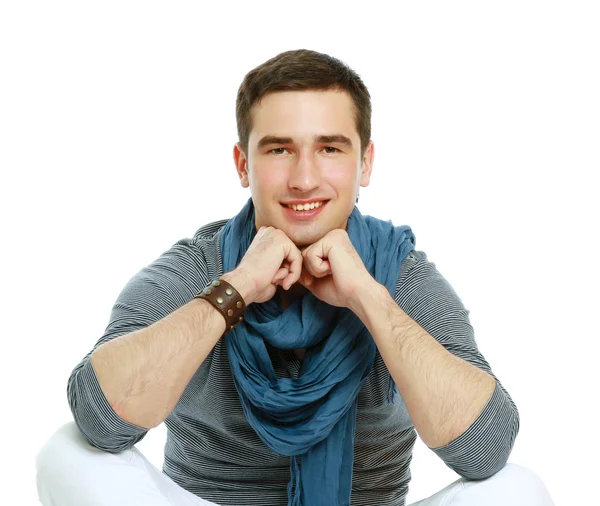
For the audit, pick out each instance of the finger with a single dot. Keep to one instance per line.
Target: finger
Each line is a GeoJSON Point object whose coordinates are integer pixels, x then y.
{"type": "Point", "coordinates": [283, 271]}
{"type": "Point", "coordinates": [317, 266]}
{"type": "Point", "coordinates": [308, 286]}
{"type": "Point", "coordinates": [307, 278]}
{"type": "Point", "coordinates": [314, 258]}
{"type": "Point", "coordinates": [324, 269]}
{"type": "Point", "coordinates": [294, 259]}
{"type": "Point", "coordinates": [280, 275]}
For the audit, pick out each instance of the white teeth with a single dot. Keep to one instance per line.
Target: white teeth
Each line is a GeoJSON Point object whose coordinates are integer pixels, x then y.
{"type": "Point", "coordinates": [305, 207]}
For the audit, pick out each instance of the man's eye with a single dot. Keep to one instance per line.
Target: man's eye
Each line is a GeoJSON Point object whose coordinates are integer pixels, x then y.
{"type": "Point", "coordinates": [331, 149]}
{"type": "Point", "coordinates": [279, 151]}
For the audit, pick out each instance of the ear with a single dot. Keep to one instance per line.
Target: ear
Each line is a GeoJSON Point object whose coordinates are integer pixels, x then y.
{"type": "Point", "coordinates": [367, 164]}
{"type": "Point", "coordinates": [241, 164]}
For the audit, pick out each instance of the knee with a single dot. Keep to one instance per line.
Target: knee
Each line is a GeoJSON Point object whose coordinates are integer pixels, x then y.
{"type": "Point", "coordinates": [68, 447]}
{"type": "Point", "coordinates": [53, 451]}
{"type": "Point", "coordinates": [64, 447]}
{"type": "Point", "coordinates": [67, 461]}
{"type": "Point", "coordinates": [524, 485]}
{"type": "Point", "coordinates": [51, 460]}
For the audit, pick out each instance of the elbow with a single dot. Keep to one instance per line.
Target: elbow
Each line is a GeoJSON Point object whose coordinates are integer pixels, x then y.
{"type": "Point", "coordinates": [110, 443]}
{"type": "Point", "coordinates": [97, 421]}
{"type": "Point", "coordinates": [103, 433]}
{"type": "Point", "coordinates": [484, 449]}
{"type": "Point", "coordinates": [494, 456]}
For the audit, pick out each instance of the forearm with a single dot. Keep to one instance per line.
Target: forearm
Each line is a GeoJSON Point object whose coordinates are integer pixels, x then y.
{"type": "Point", "coordinates": [443, 393]}
{"type": "Point", "coordinates": [143, 374]}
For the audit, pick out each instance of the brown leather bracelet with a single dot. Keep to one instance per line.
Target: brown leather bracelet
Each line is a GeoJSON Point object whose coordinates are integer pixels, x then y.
{"type": "Point", "coordinates": [226, 299]}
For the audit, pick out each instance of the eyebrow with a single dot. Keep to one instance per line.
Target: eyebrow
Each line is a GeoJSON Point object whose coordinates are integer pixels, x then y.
{"type": "Point", "coordinates": [320, 139]}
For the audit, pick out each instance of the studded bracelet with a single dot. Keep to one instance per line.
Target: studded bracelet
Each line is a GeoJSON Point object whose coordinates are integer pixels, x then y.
{"type": "Point", "coordinates": [226, 299]}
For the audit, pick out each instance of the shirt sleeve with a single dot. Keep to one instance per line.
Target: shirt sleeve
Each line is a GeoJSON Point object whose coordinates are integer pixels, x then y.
{"type": "Point", "coordinates": [484, 447]}
{"type": "Point", "coordinates": [157, 290]}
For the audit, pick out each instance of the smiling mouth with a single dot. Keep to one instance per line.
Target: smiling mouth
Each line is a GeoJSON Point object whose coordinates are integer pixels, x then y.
{"type": "Point", "coordinates": [306, 207]}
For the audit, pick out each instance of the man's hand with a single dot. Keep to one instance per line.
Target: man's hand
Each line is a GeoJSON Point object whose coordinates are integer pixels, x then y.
{"type": "Point", "coordinates": [272, 259]}
{"type": "Point", "coordinates": [333, 270]}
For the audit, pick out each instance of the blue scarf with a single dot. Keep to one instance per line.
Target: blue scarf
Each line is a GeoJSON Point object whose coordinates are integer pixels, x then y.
{"type": "Point", "coordinates": [310, 418]}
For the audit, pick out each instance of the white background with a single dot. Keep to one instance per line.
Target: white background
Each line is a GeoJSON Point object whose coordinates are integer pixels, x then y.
{"type": "Point", "coordinates": [117, 122]}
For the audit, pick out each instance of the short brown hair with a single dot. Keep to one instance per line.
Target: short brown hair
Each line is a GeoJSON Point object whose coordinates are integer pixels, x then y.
{"type": "Point", "coordinates": [302, 69]}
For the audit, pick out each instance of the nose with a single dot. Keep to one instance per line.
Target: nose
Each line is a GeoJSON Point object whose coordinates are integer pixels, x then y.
{"type": "Point", "coordinates": [305, 174]}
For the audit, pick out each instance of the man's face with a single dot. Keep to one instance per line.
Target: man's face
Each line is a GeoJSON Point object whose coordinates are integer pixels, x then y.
{"type": "Point", "coordinates": [304, 148]}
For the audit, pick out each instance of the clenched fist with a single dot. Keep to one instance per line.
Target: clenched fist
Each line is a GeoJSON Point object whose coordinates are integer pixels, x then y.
{"type": "Point", "coordinates": [330, 268]}
{"type": "Point", "coordinates": [272, 259]}
{"type": "Point", "coordinates": [334, 271]}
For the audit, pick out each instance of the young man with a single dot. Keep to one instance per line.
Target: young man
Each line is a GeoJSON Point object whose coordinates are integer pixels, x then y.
{"type": "Point", "coordinates": [293, 351]}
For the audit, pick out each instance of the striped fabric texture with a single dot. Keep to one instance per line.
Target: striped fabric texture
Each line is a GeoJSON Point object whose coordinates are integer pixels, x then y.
{"type": "Point", "coordinates": [212, 451]}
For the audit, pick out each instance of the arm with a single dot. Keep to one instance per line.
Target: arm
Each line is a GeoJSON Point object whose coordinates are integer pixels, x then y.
{"type": "Point", "coordinates": [144, 373]}
{"type": "Point", "coordinates": [457, 406]}
{"type": "Point", "coordinates": [158, 336]}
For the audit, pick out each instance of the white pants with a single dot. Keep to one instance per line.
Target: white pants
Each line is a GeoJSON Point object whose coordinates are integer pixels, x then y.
{"type": "Point", "coordinates": [70, 472]}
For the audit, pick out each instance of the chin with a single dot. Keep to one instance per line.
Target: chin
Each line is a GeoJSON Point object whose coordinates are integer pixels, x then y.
{"type": "Point", "coordinates": [306, 238]}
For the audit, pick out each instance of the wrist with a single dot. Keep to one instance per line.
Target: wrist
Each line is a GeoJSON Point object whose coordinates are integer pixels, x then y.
{"type": "Point", "coordinates": [242, 283]}
{"type": "Point", "coordinates": [365, 295]}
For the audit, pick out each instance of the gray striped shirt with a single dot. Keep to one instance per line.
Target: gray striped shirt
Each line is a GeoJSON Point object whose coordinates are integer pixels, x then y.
{"type": "Point", "coordinates": [212, 451]}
